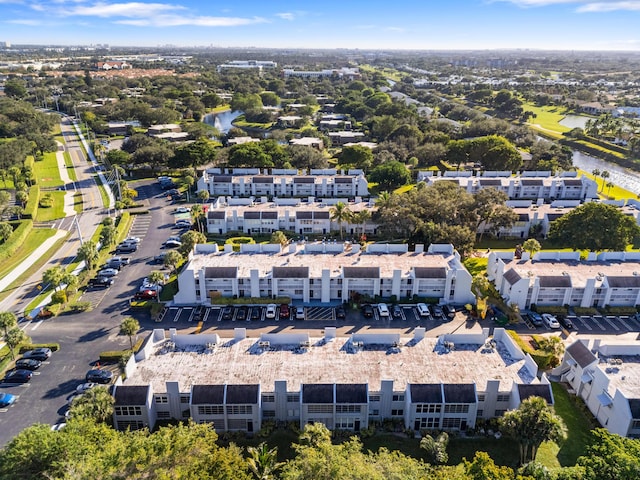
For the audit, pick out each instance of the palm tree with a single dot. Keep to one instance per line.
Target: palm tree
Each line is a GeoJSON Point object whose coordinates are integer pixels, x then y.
{"type": "Point", "coordinates": [604, 174]}
{"type": "Point", "coordinates": [609, 185]}
{"type": "Point", "coordinates": [263, 462]}
{"type": "Point", "coordinates": [340, 213]}
{"type": "Point", "coordinates": [197, 213]}
{"type": "Point", "coordinates": [532, 246]}
{"type": "Point", "coordinates": [96, 403]}
{"type": "Point", "coordinates": [129, 327]}
{"type": "Point", "coordinates": [88, 252]}
{"type": "Point", "coordinates": [383, 200]}
{"type": "Point", "coordinates": [157, 277]}
{"type": "Point", "coordinates": [53, 276]}
{"type": "Point", "coordinates": [361, 218]}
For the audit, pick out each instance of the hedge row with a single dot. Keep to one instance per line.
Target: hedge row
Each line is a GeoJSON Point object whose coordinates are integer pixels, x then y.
{"type": "Point", "coordinates": [16, 239]}
{"type": "Point", "coordinates": [31, 208]}
{"type": "Point", "coordinates": [30, 346]}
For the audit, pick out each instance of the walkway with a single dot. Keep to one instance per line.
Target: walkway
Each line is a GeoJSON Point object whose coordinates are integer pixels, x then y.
{"type": "Point", "coordinates": [69, 185]}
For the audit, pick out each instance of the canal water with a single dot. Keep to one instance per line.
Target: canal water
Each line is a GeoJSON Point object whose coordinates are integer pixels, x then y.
{"type": "Point", "coordinates": [623, 177]}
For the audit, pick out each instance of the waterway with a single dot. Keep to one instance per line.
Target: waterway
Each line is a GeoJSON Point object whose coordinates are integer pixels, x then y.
{"type": "Point", "coordinates": [222, 120]}
{"type": "Point", "coordinates": [623, 177]}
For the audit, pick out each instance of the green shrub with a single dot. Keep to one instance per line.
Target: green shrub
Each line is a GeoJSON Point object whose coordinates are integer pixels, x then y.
{"type": "Point", "coordinates": [552, 310]}
{"type": "Point", "coordinates": [31, 207]}
{"type": "Point", "coordinates": [54, 309]}
{"type": "Point", "coordinates": [59, 296]}
{"type": "Point", "coordinates": [113, 356]}
{"type": "Point", "coordinates": [30, 346]}
{"type": "Point", "coordinates": [16, 239]}
{"type": "Point", "coordinates": [46, 201]}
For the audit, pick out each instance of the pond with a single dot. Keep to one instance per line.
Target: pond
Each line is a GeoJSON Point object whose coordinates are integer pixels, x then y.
{"type": "Point", "coordinates": [574, 121]}
{"type": "Point", "coordinates": [222, 120]}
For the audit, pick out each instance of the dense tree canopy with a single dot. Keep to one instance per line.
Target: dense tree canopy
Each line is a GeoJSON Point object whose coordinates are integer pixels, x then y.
{"type": "Point", "coordinates": [390, 175]}
{"type": "Point", "coordinates": [595, 226]}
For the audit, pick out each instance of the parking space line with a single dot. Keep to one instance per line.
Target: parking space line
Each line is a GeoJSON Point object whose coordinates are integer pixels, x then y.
{"type": "Point", "coordinates": [635, 321]}
{"type": "Point", "coordinates": [584, 322]}
{"type": "Point", "coordinates": [206, 315]}
{"type": "Point", "coordinates": [597, 322]}
{"type": "Point", "coordinates": [178, 311]}
{"type": "Point", "coordinates": [193, 312]}
{"type": "Point", "coordinates": [611, 321]}
{"type": "Point", "coordinates": [623, 321]}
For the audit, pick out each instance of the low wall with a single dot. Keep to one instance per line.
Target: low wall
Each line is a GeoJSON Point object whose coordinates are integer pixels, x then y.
{"type": "Point", "coordinates": [376, 338]}
{"type": "Point", "coordinates": [202, 339]}
{"type": "Point", "coordinates": [284, 338]}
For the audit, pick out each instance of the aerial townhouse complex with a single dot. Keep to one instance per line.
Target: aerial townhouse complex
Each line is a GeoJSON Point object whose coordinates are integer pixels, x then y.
{"type": "Point", "coordinates": [446, 383]}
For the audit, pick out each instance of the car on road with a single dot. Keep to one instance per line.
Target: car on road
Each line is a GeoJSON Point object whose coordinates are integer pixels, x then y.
{"type": "Point", "coordinates": [99, 375]}
{"type": "Point", "coordinates": [367, 311]}
{"type": "Point", "coordinates": [383, 310]}
{"type": "Point", "coordinates": [146, 295]}
{"type": "Point", "coordinates": [18, 376]}
{"type": "Point", "coordinates": [41, 354]}
{"type": "Point", "coordinates": [28, 364]}
{"type": "Point", "coordinates": [227, 312]}
{"type": "Point", "coordinates": [396, 311]}
{"type": "Point", "coordinates": [242, 313]}
{"type": "Point", "coordinates": [101, 281]}
{"type": "Point", "coordinates": [7, 399]}
{"type": "Point", "coordinates": [108, 272]}
{"type": "Point", "coordinates": [172, 244]}
{"type": "Point", "coordinates": [117, 262]}
{"type": "Point", "coordinates": [256, 313]}
{"type": "Point", "coordinates": [566, 322]}
{"type": "Point", "coordinates": [285, 311]}
{"type": "Point", "coordinates": [83, 387]}
{"type": "Point", "coordinates": [271, 311]}
{"type": "Point", "coordinates": [550, 321]}
{"type": "Point", "coordinates": [341, 312]}
{"type": "Point", "coordinates": [300, 315]}
{"type": "Point", "coordinates": [182, 210]}
{"type": "Point", "coordinates": [536, 319]}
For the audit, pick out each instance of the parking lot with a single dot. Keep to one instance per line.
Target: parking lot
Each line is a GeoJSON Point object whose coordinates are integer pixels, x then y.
{"type": "Point", "coordinates": [595, 324]}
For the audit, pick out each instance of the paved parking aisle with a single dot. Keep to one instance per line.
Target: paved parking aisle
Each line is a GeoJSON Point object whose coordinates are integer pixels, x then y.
{"type": "Point", "coordinates": [212, 314]}
{"type": "Point", "coordinates": [185, 314]}
{"type": "Point", "coordinates": [173, 314]}
{"type": "Point", "coordinates": [583, 322]}
{"type": "Point", "coordinates": [613, 321]}
{"type": "Point", "coordinates": [635, 323]}
{"type": "Point", "coordinates": [94, 295]}
{"type": "Point", "coordinates": [598, 320]}
{"type": "Point", "coordinates": [326, 314]}
{"type": "Point", "coordinates": [140, 226]}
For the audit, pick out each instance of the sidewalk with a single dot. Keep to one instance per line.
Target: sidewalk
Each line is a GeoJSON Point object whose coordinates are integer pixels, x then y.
{"type": "Point", "coordinates": [69, 209]}
{"type": "Point", "coordinates": [30, 260]}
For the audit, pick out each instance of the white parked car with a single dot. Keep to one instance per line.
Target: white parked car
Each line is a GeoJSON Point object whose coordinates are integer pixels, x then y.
{"type": "Point", "coordinates": [172, 244]}
{"type": "Point", "coordinates": [132, 240]}
{"type": "Point", "coordinates": [271, 311]}
{"type": "Point", "coordinates": [383, 310]}
{"type": "Point", "coordinates": [182, 210]}
{"type": "Point", "coordinates": [83, 387]}
{"type": "Point", "coordinates": [108, 272]}
{"type": "Point", "coordinates": [550, 321]}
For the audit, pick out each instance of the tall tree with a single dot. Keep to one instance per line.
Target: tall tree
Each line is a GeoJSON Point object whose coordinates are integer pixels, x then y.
{"type": "Point", "coordinates": [356, 156]}
{"type": "Point", "coordinates": [390, 175]}
{"type": "Point", "coordinates": [611, 457]}
{"type": "Point", "coordinates": [190, 240]}
{"type": "Point", "coordinates": [532, 423]}
{"type": "Point", "coordinates": [8, 320]}
{"type": "Point", "coordinates": [172, 259]}
{"type": "Point", "coordinates": [14, 337]}
{"type": "Point", "coordinates": [341, 214]}
{"type": "Point", "coordinates": [263, 462]}
{"type": "Point", "coordinates": [595, 226]}
{"type": "Point", "coordinates": [130, 327]}
{"type": "Point", "coordinates": [492, 211]}
{"type": "Point", "coordinates": [88, 252]}
{"type": "Point", "coordinates": [96, 404]}
{"type": "Point", "coordinates": [53, 276]}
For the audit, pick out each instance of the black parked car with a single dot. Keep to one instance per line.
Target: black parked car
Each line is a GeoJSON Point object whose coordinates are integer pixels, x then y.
{"type": "Point", "coordinates": [227, 312]}
{"type": "Point", "coordinates": [101, 282]}
{"type": "Point", "coordinates": [41, 354]}
{"type": "Point", "coordinates": [367, 311]}
{"type": "Point", "coordinates": [99, 376]}
{"type": "Point", "coordinates": [256, 313]}
{"type": "Point", "coordinates": [28, 364]}
{"type": "Point", "coordinates": [565, 322]}
{"type": "Point", "coordinates": [341, 312]}
{"type": "Point", "coordinates": [18, 376]}
{"type": "Point", "coordinates": [243, 311]}
{"type": "Point", "coordinates": [449, 311]}
{"type": "Point", "coordinates": [396, 311]}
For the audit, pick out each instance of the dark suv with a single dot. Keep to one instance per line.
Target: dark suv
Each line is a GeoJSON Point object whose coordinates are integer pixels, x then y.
{"type": "Point", "coordinates": [367, 311]}
{"type": "Point", "coordinates": [99, 376]}
{"type": "Point", "coordinates": [40, 354]}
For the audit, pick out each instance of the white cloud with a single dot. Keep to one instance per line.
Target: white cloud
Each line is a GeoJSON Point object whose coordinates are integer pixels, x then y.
{"type": "Point", "coordinates": [178, 20]}
{"type": "Point", "coordinates": [609, 6]}
{"type": "Point", "coordinates": [395, 29]}
{"type": "Point", "coordinates": [128, 9]}
{"type": "Point", "coordinates": [286, 15]}
{"type": "Point", "coordinates": [30, 23]}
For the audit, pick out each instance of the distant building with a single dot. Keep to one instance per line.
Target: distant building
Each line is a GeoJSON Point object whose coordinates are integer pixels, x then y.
{"type": "Point", "coordinates": [247, 65]}
{"type": "Point", "coordinates": [344, 72]}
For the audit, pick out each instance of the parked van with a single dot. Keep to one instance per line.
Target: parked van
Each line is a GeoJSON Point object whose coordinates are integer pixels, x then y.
{"type": "Point", "coordinates": [383, 310]}
{"type": "Point", "coordinates": [423, 310]}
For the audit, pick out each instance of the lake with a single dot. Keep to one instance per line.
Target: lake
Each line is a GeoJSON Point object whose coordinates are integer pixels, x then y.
{"type": "Point", "coordinates": [623, 177]}
{"type": "Point", "coordinates": [222, 120]}
{"type": "Point", "coordinates": [574, 121]}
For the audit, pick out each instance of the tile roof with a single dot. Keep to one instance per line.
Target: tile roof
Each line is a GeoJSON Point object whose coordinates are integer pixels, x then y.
{"type": "Point", "coordinates": [430, 272]}
{"type": "Point", "coordinates": [541, 390]}
{"type": "Point", "coordinates": [361, 272]}
{"type": "Point", "coordinates": [290, 272]}
{"type": "Point", "coordinates": [242, 394]}
{"type": "Point", "coordinates": [555, 281]}
{"type": "Point", "coordinates": [459, 393]}
{"type": "Point", "coordinates": [221, 272]}
{"type": "Point", "coordinates": [634, 406]}
{"type": "Point", "coordinates": [624, 282]}
{"type": "Point", "coordinates": [512, 276]}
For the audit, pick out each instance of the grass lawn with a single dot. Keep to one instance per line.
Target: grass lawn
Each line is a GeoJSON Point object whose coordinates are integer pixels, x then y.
{"type": "Point", "coordinates": [54, 212]}
{"type": "Point", "coordinates": [77, 202]}
{"type": "Point", "coordinates": [46, 171]}
{"type": "Point", "coordinates": [613, 193]}
{"type": "Point", "coordinates": [41, 261]}
{"type": "Point", "coordinates": [103, 191]}
{"type": "Point", "coordinates": [70, 170]}
{"type": "Point", "coordinates": [503, 451]}
{"type": "Point", "coordinates": [578, 428]}
{"type": "Point", "coordinates": [601, 149]}
{"type": "Point", "coordinates": [548, 117]}
{"type": "Point", "coordinates": [35, 238]}
{"type": "Point", "coordinates": [476, 265]}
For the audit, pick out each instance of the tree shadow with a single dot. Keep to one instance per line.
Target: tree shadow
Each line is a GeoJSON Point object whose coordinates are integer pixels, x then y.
{"type": "Point", "coordinates": [94, 335]}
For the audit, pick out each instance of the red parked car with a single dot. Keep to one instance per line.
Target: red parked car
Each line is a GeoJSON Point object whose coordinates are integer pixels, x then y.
{"type": "Point", "coordinates": [284, 311]}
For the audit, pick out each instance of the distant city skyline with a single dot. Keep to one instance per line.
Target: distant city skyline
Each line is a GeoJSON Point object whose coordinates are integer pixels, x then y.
{"type": "Point", "coordinates": [412, 24]}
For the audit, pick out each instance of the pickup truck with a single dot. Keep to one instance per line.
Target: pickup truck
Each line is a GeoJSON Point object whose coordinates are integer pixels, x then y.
{"type": "Point", "coordinates": [117, 262]}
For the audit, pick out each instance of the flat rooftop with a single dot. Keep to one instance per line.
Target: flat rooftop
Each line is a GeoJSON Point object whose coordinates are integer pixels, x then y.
{"type": "Point", "coordinates": [578, 271]}
{"type": "Point", "coordinates": [316, 262]}
{"type": "Point", "coordinates": [623, 372]}
{"type": "Point", "coordinates": [245, 362]}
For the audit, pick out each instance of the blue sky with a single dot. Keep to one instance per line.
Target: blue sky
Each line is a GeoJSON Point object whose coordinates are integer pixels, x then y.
{"type": "Point", "coordinates": [408, 24]}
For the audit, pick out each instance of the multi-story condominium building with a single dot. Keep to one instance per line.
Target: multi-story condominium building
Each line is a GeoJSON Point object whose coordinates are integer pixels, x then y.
{"type": "Point", "coordinates": [527, 185]}
{"type": "Point", "coordinates": [444, 383]}
{"type": "Point", "coordinates": [607, 378]}
{"type": "Point", "coordinates": [284, 214]}
{"type": "Point", "coordinates": [325, 272]}
{"type": "Point", "coordinates": [284, 183]}
{"type": "Point", "coordinates": [344, 72]}
{"type": "Point", "coordinates": [247, 65]}
{"type": "Point", "coordinates": [562, 278]}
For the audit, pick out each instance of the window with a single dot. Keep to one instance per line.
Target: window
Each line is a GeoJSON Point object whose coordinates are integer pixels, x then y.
{"type": "Point", "coordinates": [128, 411]}
{"type": "Point", "coordinates": [210, 410]}
{"type": "Point", "coordinates": [237, 424]}
{"type": "Point", "coordinates": [162, 399]}
{"type": "Point", "coordinates": [374, 398]}
{"type": "Point", "coordinates": [397, 412]}
{"type": "Point", "coordinates": [480, 413]}
{"type": "Point", "coordinates": [268, 414]}
{"type": "Point", "coordinates": [293, 397]}
{"type": "Point", "coordinates": [325, 408]}
{"type": "Point", "coordinates": [345, 423]}
{"type": "Point", "coordinates": [164, 415]}
{"type": "Point", "coordinates": [268, 398]}
{"type": "Point", "coordinates": [456, 408]}
{"type": "Point", "coordinates": [293, 413]}
{"type": "Point", "coordinates": [451, 422]}
{"type": "Point", "coordinates": [398, 398]}
{"type": "Point", "coordinates": [184, 398]}
{"type": "Point", "coordinates": [499, 413]}
{"type": "Point", "coordinates": [375, 412]}
{"type": "Point", "coordinates": [298, 292]}
{"type": "Point", "coordinates": [130, 425]}
{"type": "Point", "coordinates": [481, 398]}
{"type": "Point", "coordinates": [428, 408]}
{"type": "Point", "coordinates": [429, 422]}
{"type": "Point", "coordinates": [239, 409]}
{"type": "Point", "coordinates": [347, 408]}
{"type": "Point", "coordinates": [503, 398]}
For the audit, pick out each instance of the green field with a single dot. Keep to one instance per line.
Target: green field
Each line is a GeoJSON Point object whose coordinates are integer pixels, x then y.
{"type": "Point", "coordinates": [547, 117]}
{"type": "Point", "coordinates": [54, 212]}
{"type": "Point", "coordinates": [46, 171]}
